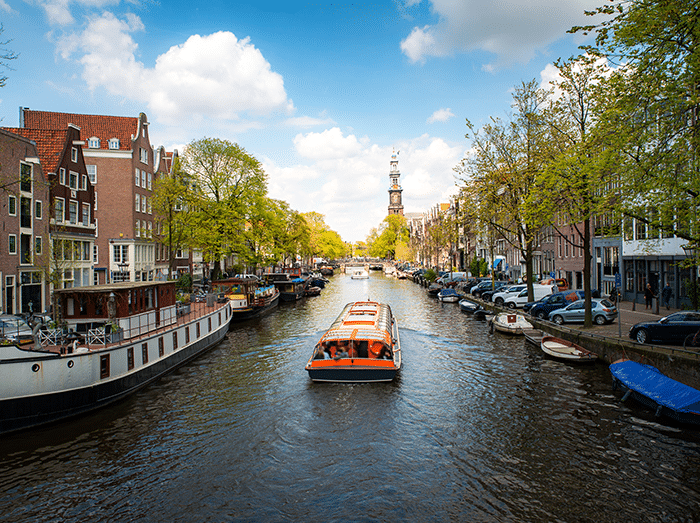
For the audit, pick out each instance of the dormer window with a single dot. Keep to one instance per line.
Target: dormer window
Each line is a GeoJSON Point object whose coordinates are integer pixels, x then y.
{"type": "Point", "coordinates": [74, 154]}
{"type": "Point", "coordinates": [114, 143]}
{"type": "Point", "coordinates": [94, 143]}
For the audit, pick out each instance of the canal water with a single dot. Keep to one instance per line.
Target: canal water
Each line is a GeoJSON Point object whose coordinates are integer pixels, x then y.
{"type": "Point", "coordinates": [478, 427]}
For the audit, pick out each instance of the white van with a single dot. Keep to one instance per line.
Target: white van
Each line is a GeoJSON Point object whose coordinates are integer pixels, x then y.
{"type": "Point", "coordinates": [540, 291]}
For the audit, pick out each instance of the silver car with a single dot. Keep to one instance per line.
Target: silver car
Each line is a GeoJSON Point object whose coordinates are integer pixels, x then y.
{"type": "Point", "coordinates": [602, 311]}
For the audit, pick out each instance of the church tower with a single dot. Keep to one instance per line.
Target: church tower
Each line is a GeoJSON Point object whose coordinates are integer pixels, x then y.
{"type": "Point", "coordinates": [395, 205]}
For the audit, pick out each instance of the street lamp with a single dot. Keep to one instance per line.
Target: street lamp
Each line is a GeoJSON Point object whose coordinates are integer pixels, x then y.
{"type": "Point", "coordinates": [691, 251]}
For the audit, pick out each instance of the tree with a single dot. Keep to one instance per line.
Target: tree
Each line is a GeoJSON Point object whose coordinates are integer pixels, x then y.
{"type": "Point", "coordinates": [6, 56]}
{"type": "Point", "coordinates": [230, 184]}
{"type": "Point", "coordinates": [392, 233]}
{"type": "Point", "coordinates": [323, 242]}
{"type": "Point", "coordinates": [652, 109]}
{"type": "Point", "coordinates": [503, 171]}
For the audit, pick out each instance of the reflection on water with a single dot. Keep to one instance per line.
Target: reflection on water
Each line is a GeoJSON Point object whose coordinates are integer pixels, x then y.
{"type": "Point", "coordinates": [478, 427]}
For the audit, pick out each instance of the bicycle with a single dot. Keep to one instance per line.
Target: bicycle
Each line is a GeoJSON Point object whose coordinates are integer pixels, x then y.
{"type": "Point", "coordinates": [692, 340]}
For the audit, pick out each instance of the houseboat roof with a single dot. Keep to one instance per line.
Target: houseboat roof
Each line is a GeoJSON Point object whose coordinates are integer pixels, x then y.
{"type": "Point", "coordinates": [109, 287]}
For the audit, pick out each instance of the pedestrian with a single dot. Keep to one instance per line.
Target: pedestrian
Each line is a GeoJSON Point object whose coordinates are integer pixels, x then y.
{"type": "Point", "coordinates": [666, 295]}
{"type": "Point", "coordinates": [648, 296]}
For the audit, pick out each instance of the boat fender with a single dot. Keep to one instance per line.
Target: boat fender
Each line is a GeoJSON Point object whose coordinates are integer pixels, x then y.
{"type": "Point", "coordinates": [491, 326]}
{"type": "Point", "coordinates": [658, 411]}
{"type": "Point", "coordinates": [627, 395]}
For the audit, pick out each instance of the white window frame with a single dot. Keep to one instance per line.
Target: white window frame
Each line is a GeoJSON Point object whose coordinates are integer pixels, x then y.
{"type": "Point", "coordinates": [138, 229]}
{"type": "Point", "coordinates": [72, 204]}
{"type": "Point", "coordinates": [63, 210]}
{"type": "Point", "coordinates": [137, 207]}
{"type": "Point", "coordinates": [38, 209]}
{"type": "Point", "coordinates": [83, 214]}
{"type": "Point", "coordinates": [144, 206]}
{"type": "Point", "coordinates": [12, 244]}
{"type": "Point", "coordinates": [138, 178]}
{"type": "Point", "coordinates": [150, 181]}
{"type": "Point", "coordinates": [150, 205]}
{"type": "Point", "coordinates": [92, 173]}
{"type": "Point", "coordinates": [73, 176]}
{"type": "Point", "coordinates": [62, 176]}
{"type": "Point", "coordinates": [143, 179]}
{"type": "Point", "coordinates": [74, 154]}
{"type": "Point", "coordinates": [12, 202]}
{"type": "Point", "coordinates": [38, 245]}
{"type": "Point", "coordinates": [94, 142]}
{"type": "Point", "coordinates": [114, 143]}
{"type": "Point", "coordinates": [143, 155]}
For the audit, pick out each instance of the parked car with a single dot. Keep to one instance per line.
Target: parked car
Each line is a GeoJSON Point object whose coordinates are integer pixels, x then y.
{"type": "Point", "coordinates": [557, 300]}
{"type": "Point", "coordinates": [486, 285]}
{"type": "Point", "coordinates": [540, 291]}
{"type": "Point", "coordinates": [561, 283]}
{"type": "Point", "coordinates": [15, 329]}
{"type": "Point", "coordinates": [506, 292]}
{"type": "Point", "coordinates": [602, 311]}
{"type": "Point", "coordinates": [488, 294]}
{"type": "Point", "coordinates": [670, 329]}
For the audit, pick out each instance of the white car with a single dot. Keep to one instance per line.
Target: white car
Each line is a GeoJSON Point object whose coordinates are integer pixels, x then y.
{"type": "Point", "coordinates": [513, 290]}
{"type": "Point", "coordinates": [540, 291]}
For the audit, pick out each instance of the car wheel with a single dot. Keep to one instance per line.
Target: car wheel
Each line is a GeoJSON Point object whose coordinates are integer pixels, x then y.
{"type": "Point", "coordinates": [642, 335]}
{"type": "Point", "coordinates": [511, 305]}
{"type": "Point", "coordinates": [541, 315]}
{"type": "Point", "coordinates": [558, 319]}
{"type": "Point", "coordinates": [599, 320]}
{"type": "Point", "coordinates": [499, 301]}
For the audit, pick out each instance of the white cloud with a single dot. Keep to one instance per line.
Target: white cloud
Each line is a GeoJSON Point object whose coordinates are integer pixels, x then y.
{"type": "Point", "coordinates": [5, 7]}
{"type": "Point", "coordinates": [309, 121]}
{"type": "Point", "coordinates": [58, 12]}
{"type": "Point", "coordinates": [214, 76]}
{"type": "Point", "coordinates": [347, 179]}
{"type": "Point", "coordinates": [441, 115]}
{"type": "Point", "coordinates": [513, 32]}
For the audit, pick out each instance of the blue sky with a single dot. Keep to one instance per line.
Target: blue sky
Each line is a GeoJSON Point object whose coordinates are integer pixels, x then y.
{"type": "Point", "coordinates": [320, 92]}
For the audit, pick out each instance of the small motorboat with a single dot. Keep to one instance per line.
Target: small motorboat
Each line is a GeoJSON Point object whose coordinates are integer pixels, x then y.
{"type": "Point", "coordinates": [509, 323]}
{"type": "Point", "coordinates": [483, 314]}
{"type": "Point", "coordinates": [448, 296]}
{"type": "Point", "coordinates": [566, 351]}
{"type": "Point", "coordinates": [469, 306]}
{"type": "Point", "coordinates": [362, 345]}
{"type": "Point", "coordinates": [312, 291]}
{"type": "Point", "coordinates": [434, 289]}
{"type": "Point", "coordinates": [666, 396]}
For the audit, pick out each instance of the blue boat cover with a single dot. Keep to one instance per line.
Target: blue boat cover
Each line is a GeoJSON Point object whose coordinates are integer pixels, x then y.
{"type": "Point", "coordinates": [647, 380]}
{"type": "Point", "coordinates": [448, 292]}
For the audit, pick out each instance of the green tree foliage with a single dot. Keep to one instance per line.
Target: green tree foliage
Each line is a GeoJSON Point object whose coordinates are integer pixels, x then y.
{"type": "Point", "coordinates": [323, 242]}
{"type": "Point", "coordinates": [651, 112]}
{"type": "Point", "coordinates": [392, 233]}
{"type": "Point", "coordinates": [503, 170]}
{"type": "Point", "coordinates": [230, 185]}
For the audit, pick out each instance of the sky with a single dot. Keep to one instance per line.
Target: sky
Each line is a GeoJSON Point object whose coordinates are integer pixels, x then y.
{"type": "Point", "coordinates": [321, 93]}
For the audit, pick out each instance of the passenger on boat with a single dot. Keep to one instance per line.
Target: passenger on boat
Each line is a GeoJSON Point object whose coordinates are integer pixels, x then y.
{"type": "Point", "coordinates": [342, 351]}
{"type": "Point", "coordinates": [321, 353]}
{"type": "Point", "coordinates": [376, 349]}
{"type": "Point", "coordinates": [385, 353]}
{"type": "Point", "coordinates": [361, 347]}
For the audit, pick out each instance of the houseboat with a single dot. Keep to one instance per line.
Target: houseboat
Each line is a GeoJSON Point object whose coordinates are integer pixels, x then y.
{"type": "Point", "coordinates": [249, 297]}
{"type": "Point", "coordinates": [361, 345]}
{"type": "Point", "coordinates": [114, 340]}
{"type": "Point", "coordinates": [290, 289]}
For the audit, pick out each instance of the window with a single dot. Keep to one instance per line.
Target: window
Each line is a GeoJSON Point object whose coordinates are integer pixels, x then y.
{"type": "Point", "coordinates": [12, 244]}
{"type": "Point", "coordinates": [143, 155]}
{"type": "Point", "coordinates": [114, 143]}
{"type": "Point", "coordinates": [38, 244]}
{"type": "Point", "coordinates": [74, 154]}
{"type": "Point", "coordinates": [12, 206]}
{"type": "Point", "coordinates": [62, 176]}
{"type": "Point", "coordinates": [94, 143]}
{"type": "Point", "coordinates": [92, 173]}
{"type": "Point", "coordinates": [25, 177]}
{"type": "Point", "coordinates": [150, 176]}
{"type": "Point", "coordinates": [137, 202]}
{"type": "Point", "coordinates": [25, 212]}
{"type": "Point", "coordinates": [104, 366]}
{"type": "Point", "coordinates": [144, 353]}
{"type": "Point", "coordinates": [84, 182]}
{"type": "Point", "coordinates": [86, 214]}
{"type": "Point", "coordinates": [150, 229]}
{"type": "Point", "coordinates": [143, 204]}
{"type": "Point", "coordinates": [95, 252]}
{"type": "Point", "coordinates": [137, 229]}
{"type": "Point", "coordinates": [38, 209]}
{"type": "Point", "coordinates": [59, 208]}
{"type": "Point", "coordinates": [161, 347]}
{"type": "Point", "coordinates": [73, 212]}
{"type": "Point", "coordinates": [130, 358]}
{"type": "Point", "coordinates": [143, 179]}
{"type": "Point", "coordinates": [138, 178]}
{"type": "Point", "coordinates": [174, 340]}
{"type": "Point", "coordinates": [150, 206]}
{"type": "Point", "coordinates": [73, 180]}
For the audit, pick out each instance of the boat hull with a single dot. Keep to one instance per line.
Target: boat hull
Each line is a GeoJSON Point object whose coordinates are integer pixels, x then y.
{"type": "Point", "coordinates": [248, 313]}
{"type": "Point", "coordinates": [563, 350]}
{"type": "Point", "coordinates": [352, 374]}
{"type": "Point", "coordinates": [64, 386]}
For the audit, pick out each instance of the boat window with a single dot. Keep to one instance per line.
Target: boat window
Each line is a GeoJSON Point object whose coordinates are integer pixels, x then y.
{"type": "Point", "coordinates": [161, 346]}
{"type": "Point", "coordinates": [198, 330]}
{"type": "Point", "coordinates": [174, 340]}
{"type": "Point", "coordinates": [144, 353]}
{"type": "Point", "coordinates": [130, 358]}
{"type": "Point", "coordinates": [187, 335]}
{"type": "Point", "coordinates": [209, 323]}
{"type": "Point", "coordinates": [104, 366]}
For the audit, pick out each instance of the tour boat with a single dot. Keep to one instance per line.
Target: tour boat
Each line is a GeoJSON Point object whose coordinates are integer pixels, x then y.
{"type": "Point", "coordinates": [358, 273]}
{"type": "Point", "coordinates": [666, 396]}
{"type": "Point", "coordinates": [509, 323]}
{"type": "Point", "coordinates": [361, 345]}
{"type": "Point", "coordinates": [566, 350]}
{"type": "Point", "coordinates": [249, 298]}
{"type": "Point", "coordinates": [120, 337]}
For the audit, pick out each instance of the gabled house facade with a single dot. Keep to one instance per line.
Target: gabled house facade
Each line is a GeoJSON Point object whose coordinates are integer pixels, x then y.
{"type": "Point", "coordinates": [67, 261]}
{"type": "Point", "coordinates": [122, 165]}
{"type": "Point", "coordinates": [25, 233]}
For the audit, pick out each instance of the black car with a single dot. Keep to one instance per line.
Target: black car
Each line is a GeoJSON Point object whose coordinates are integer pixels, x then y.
{"type": "Point", "coordinates": [487, 295]}
{"type": "Point", "coordinates": [674, 328]}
